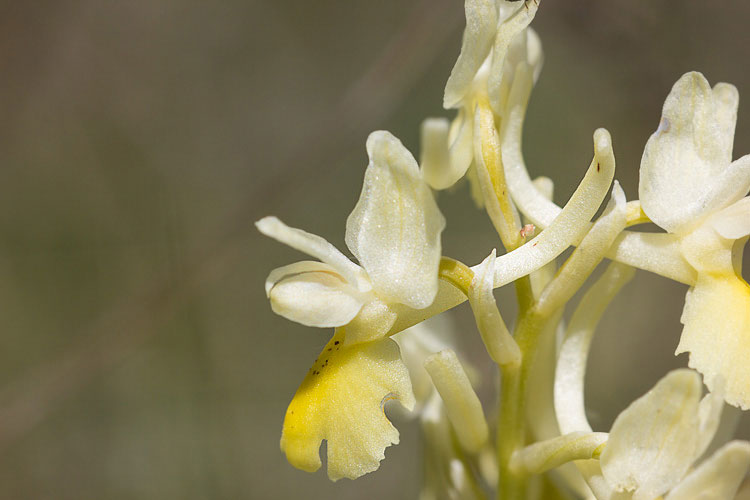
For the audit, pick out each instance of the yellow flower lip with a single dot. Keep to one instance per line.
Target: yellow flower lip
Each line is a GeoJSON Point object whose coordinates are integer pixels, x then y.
{"type": "Point", "coordinates": [341, 400]}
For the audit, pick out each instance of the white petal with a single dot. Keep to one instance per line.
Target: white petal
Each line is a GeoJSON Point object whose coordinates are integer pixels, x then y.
{"type": "Point", "coordinates": [526, 48]}
{"type": "Point", "coordinates": [481, 25]}
{"type": "Point", "coordinates": [718, 478]}
{"type": "Point", "coordinates": [733, 222]}
{"type": "Point", "coordinates": [658, 253]}
{"type": "Point", "coordinates": [686, 170]}
{"type": "Point", "coordinates": [461, 140]}
{"type": "Point", "coordinates": [314, 246]}
{"type": "Point", "coordinates": [592, 473]}
{"type": "Point", "coordinates": [709, 416]}
{"type": "Point", "coordinates": [394, 230]}
{"type": "Point", "coordinates": [500, 344]}
{"type": "Point", "coordinates": [571, 364]}
{"type": "Point", "coordinates": [435, 160]}
{"type": "Point", "coordinates": [461, 402]}
{"type": "Point", "coordinates": [540, 210]}
{"type": "Point", "coordinates": [506, 32]}
{"type": "Point", "coordinates": [534, 53]}
{"type": "Point", "coordinates": [314, 294]}
{"type": "Point", "coordinates": [544, 455]}
{"type": "Point", "coordinates": [654, 441]}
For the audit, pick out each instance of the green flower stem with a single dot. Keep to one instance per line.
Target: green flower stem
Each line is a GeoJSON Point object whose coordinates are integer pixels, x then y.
{"type": "Point", "coordinates": [511, 430]}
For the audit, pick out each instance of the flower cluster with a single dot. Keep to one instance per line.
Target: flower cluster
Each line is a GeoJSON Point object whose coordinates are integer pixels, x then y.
{"type": "Point", "coordinates": [384, 349]}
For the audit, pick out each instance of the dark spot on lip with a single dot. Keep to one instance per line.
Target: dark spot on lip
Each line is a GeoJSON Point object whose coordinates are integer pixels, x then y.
{"type": "Point", "coordinates": [336, 343]}
{"type": "Point", "coordinates": [598, 167]}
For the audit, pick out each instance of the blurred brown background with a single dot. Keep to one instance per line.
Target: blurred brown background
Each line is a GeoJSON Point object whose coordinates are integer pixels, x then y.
{"type": "Point", "coordinates": [141, 139]}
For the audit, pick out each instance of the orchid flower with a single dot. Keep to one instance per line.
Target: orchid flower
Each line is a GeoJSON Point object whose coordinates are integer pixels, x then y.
{"type": "Point", "coordinates": [654, 446]}
{"type": "Point", "coordinates": [690, 187]}
{"type": "Point", "coordinates": [394, 231]}
{"type": "Point", "coordinates": [398, 280]}
{"type": "Point", "coordinates": [496, 41]}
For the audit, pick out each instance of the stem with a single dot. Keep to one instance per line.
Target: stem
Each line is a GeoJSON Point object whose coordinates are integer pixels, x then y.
{"type": "Point", "coordinates": [510, 429]}
{"type": "Point", "coordinates": [511, 432]}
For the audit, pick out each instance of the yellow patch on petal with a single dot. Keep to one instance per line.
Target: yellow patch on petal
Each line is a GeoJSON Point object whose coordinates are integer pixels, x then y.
{"type": "Point", "coordinates": [341, 400]}
{"type": "Point", "coordinates": [717, 334]}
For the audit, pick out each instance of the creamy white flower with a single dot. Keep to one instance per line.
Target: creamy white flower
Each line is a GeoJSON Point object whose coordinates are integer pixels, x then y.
{"type": "Point", "coordinates": [496, 42]}
{"type": "Point", "coordinates": [690, 187]}
{"type": "Point", "coordinates": [394, 231]}
{"type": "Point", "coordinates": [655, 442]}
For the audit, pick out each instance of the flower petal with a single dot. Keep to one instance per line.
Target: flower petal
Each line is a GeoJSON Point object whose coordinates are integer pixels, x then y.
{"type": "Point", "coordinates": [446, 150]}
{"type": "Point", "coordinates": [341, 400]}
{"type": "Point", "coordinates": [481, 26]}
{"type": "Point", "coordinates": [525, 46]}
{"type": "Point", "coordinates": [654, 441]}
{"type": "Point", "coordinates": [461, 139]}
{"type": "Point", "coordinates": [461, 402]}
{"type": "Point", "coordinates": [545, 455]}
{"type": "Point", "coordinates": [510, 29]}
{"type": "Point", "coordinates": [733, 222]}
{"type": "Point", "coordinates": [314, 246]}
{"type": "Point", "coordinates": [718, 478]}
{"type": "Point", "coordinates": [686, 170]}
{"type": "Point", "coordinates": [574, 350]}
{"type": "Point", "coordinates": [500, 345]}
{"type": "Point", "coordinates": [434, 158]}
{"type": "Point", "coordinates": [717, 334]}
{"type": "Point", "coordinates": [540, 210]}
{"type": "Point", "coordinates": [314, 294]}
{"type": "Point", "coordinates": [394, 230]}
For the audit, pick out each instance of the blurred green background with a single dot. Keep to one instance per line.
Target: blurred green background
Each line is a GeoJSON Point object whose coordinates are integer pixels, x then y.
{"type": "Point", "coordinates": [140, 140]}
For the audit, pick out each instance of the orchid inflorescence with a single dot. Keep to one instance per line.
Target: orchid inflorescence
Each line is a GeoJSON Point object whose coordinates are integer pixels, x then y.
{"type": "Point", "coordinates": [384, 347]}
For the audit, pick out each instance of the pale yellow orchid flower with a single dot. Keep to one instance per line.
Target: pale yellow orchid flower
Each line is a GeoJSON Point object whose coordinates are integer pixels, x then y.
{"type": "Point", "coordinates": [654, 445]}
{"type": "Point", "coordinates": [394, 231]}
{"type": "Point", "coordinates": [690, 187]}
{"type": "Point", "coordinates": [496, 41]}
